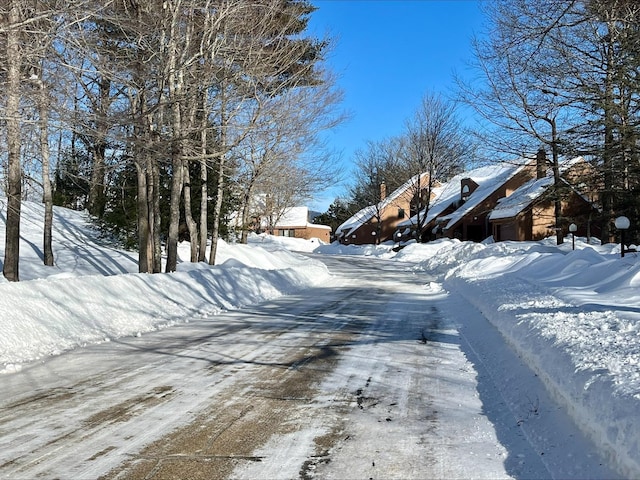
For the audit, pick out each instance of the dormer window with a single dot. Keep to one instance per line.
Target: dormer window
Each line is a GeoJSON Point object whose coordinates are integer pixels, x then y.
{"type": "Point", "coordinates": [465, 192]}
{"type": "Point", "coordinates": [467, 187]}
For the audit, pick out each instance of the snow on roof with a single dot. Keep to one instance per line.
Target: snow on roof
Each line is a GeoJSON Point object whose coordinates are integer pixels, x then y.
{"type": "Point", "coordinates": [488, 178]}
{"type": "Point", "coordinates": [357, 219]}
{"type": "Point", "coordinates": [365, 214]}
{"type": "Point", "coordinates": [294, 217]}
{"type": "Point", "coordinates": [567, 163]}
{"type": "Point", "coordinates": [443, 196]}
{"type": "Point", "coordinates": [298, 217]}
{"type": "Point", "coordinates": [520, 199]}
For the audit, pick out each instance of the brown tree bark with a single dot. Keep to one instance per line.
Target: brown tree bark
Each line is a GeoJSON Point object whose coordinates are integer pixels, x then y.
{"type": "Point", "coordinates": [10, 267]}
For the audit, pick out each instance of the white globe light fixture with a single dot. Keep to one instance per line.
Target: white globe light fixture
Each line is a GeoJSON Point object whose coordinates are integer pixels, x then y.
{"type": "Point", "coordinates": [622, 223]}
{"type": "Point", "coordinates": [573, 228]}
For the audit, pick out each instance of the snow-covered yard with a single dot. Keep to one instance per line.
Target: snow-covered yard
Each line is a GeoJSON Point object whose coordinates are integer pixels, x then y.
{"type": "Point", "coordinates": [572, 316]}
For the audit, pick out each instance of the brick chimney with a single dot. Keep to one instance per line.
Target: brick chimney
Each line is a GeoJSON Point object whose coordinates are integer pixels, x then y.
{"type": "Point", "coordinates": [383, 191]}
{"type": "Point", "coordinates": [541, 164]}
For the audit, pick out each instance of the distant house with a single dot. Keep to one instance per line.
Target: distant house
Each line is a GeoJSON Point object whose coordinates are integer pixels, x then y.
{"type": "Point", "coordinates": [529, 214]}
{"type": "Point", "coordinates": [295, 222]}
{"type": "Point", "coordinates": [480, 193]}
{"type": "Point", "coordinates": [377, 223]}
{"type": "Point", "coordinates": [460, 207]}
{"type": "Point", "coordinates": [508, 200]}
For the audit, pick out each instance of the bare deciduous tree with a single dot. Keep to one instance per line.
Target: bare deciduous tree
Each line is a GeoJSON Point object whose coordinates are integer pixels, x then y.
{"type": "Point", "coordinates": [560, 75]}
{"type": "Point", "coordinates": [281, 160]}
{"type": "Point", "coordinates": [13, 18]}
{"type": "Point", "coordinates": [157, 85]}
{"type": "Point", "coordinates": [263, 57]}
{"type": "Point", "coordinates": [380, 170]}
{"type": "Point", "coordinates": [436, 145]}
{"type": "Point", "coordinates": [432, 149]}
{"type": "Point", "coordinates": [520, 100]}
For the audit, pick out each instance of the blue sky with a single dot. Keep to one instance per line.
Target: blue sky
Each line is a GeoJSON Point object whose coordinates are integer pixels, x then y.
{"type": "Point", "coordinates": [388, 55]}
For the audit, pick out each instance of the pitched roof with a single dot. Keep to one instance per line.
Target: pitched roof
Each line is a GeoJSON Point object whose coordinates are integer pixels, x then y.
{"type": "Point", "coordinates": [294, 217]}
{"type": "Point", "coordinates": [367, 213]}
{"type": "Point", "coordinates": [530, 191]}
{"type": "Point", "coordinates": [358, 219]}
{"type": "Point", "coordinates": [297, 217]}
{"type": "Point", "coordinates": [489, 178]}
{"type": "Point", "coordinates": [521, 198]}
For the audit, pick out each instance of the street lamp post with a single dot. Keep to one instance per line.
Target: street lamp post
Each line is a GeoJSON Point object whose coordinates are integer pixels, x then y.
{"type": "Point", "coordinates": [573, 228]}
{"type": "Point", "coordinates": [622, 223]}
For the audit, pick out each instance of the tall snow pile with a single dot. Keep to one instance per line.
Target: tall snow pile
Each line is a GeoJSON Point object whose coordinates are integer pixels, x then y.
{"type": "Point", "coordinates": [93, 293]}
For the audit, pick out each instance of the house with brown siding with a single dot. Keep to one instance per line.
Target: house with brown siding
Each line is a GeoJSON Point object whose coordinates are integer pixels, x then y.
{"type": "Point", "coordinates": [377, 223]}
{"type": "Point", "coordinates": [479, 194]}
{"type": "Point", "coordinates": [508, 201]}
{"type": "Point", "coordinates": [295, 223]}
{"type": "Point", "coordinates": [529, 213]}
{"type": "Point", "coordinates": [460, 207]}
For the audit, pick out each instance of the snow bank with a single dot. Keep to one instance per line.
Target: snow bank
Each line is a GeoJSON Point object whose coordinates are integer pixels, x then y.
{"type": "Point", "coordinates": [380, 251]}
{"type": "Point", "coordinates": [571, 317]}
{"type": "Point", "coordinates": [44, 317]}
{"type": "Point", "coordinates": [287, 243]}
{"type": "Point", "coordinates": [93, 294]}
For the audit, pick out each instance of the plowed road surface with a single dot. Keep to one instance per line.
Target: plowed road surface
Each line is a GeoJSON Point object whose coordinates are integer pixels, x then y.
{"type": "Point", "coordinates": [377, 374]}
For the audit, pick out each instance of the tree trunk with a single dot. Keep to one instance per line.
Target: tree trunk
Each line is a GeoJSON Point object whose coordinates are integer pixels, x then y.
{"type": "Point", "coordinates": [609, 174]}
{"type": "Point", "coordinates": [202, 249]}
{"type": "Point", "coordinates": [43, 114]}
{"type": "Point", "coordinates": [557, 183]}
{"type": "Point", "coordinates": [215, 230]}
{"type": "Point", "coordinates": [157, 245]}
{"type": "Point", "coordinates": [97, 198]}
{"type": "Point", "coordinates": [176, 90]}
{"type": "Point", "coordinates": [145, 244]}
{"type": "Point", "coordinates": [204, 193]}
{"type": "Point", "coordinates": [14, 178]}
{"type": "Point", "coordinates": [244, 219]}
{"type": "Point", "coordinates": [217, 209]}
{"type": "Point", "coordinates": [176, 194]}
{"type": "Point", "coordinates": [246, 208]}
{"type": "Point", "coordinates": [192, 226]}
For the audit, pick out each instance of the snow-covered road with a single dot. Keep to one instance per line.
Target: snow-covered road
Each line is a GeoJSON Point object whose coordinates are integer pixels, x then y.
{"type": "Point", "coordinates": [376, 374]}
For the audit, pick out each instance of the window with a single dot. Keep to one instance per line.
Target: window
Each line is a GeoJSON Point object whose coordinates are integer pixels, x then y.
{"type": "Point", "coordinates": [401, 213]}
{"type": "Point", "coordinates": [465, 192]}
{"type": "Point", "coordinates": [287, 232]}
